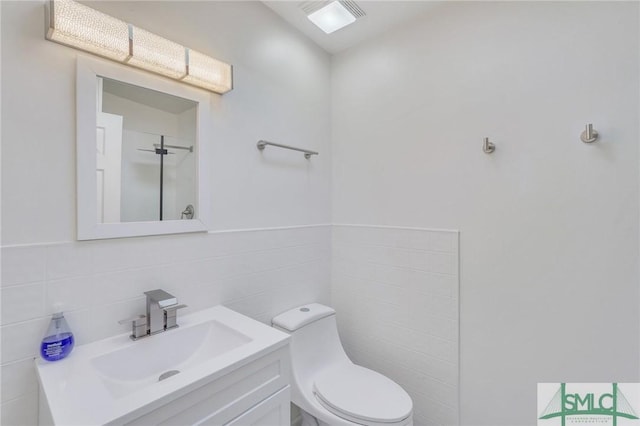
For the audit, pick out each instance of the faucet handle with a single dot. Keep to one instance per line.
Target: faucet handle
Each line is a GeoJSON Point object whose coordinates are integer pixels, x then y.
{"type": "Point", "coordinates": [161, 297]}
{"type": "Point", "coordinates": [135, 319]}
{"type": "Point", "coordinates": [175, 307]}
{"type": "Point", "coordinates": [138, 326]}
{"type": "Point", "coordinates": [171, 315]}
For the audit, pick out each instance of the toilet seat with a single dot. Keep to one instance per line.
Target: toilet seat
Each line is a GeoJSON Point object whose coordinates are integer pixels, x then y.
{"type": "Point", "coordinates": [361, 395]}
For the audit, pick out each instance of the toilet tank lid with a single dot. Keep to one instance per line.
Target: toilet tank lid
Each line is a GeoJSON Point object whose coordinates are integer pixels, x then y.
{"type": "Point", "coordinates": [299, 317]}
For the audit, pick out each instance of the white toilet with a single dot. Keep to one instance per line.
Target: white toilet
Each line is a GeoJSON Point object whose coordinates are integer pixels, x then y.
{"type": "Point", "coordinates": [329, 388]}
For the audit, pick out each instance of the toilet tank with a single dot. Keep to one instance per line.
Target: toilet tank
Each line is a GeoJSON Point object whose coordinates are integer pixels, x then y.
{"type": "Point", "coordinates": [314, 343]}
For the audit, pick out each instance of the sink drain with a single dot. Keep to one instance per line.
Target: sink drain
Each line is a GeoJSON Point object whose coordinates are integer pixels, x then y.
{"type": "Point", "coordinates": [168, 374]}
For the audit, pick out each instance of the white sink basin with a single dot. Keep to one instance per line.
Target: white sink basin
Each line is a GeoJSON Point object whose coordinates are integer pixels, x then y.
{"type": "Point", "coordinates": [136, 366]}
{"type": "Point", "coordinates": [115, 379]}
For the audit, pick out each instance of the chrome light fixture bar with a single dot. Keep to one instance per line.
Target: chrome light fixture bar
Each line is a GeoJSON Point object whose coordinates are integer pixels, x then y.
{"type": "Point", "coordinates": [79, 26]}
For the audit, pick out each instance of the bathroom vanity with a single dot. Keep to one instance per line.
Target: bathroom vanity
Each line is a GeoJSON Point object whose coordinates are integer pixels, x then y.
{"type": "Point", "coordinates": [218, 368]}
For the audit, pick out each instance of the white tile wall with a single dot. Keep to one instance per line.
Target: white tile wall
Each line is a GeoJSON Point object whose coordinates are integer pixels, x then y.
{"type": "Point", "coordinates": [395, 291]}
{"type": "Point", "coordinates": [258, 272]}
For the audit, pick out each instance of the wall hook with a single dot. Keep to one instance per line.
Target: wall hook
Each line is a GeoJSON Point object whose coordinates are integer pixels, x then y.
{"type": "Point", "coordinates": [589, 135]}
{"type": "Point", "coordinates": [487, 146]}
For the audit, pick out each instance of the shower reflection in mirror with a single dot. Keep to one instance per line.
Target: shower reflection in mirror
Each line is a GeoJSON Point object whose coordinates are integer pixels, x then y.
{"type": "Point", "coordinates": [146, 166]}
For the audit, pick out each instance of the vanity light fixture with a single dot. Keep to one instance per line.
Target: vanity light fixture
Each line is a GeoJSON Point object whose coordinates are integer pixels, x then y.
{"type": "Point", "coordinates": [331, 16]}
{"type": "Point", "coordinates": [79, 26]}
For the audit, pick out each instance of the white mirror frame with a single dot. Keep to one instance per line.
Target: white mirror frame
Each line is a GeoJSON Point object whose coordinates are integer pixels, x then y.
{"type": "Point", "coordinates": [88, 70]}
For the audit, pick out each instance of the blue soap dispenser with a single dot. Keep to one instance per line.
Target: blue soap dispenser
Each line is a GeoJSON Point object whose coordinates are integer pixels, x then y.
{"type": "Point", "coordinates": [58, 340]}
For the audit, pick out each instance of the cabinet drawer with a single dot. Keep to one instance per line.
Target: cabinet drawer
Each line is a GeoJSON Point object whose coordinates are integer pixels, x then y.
{"type": "Point", "coordinates": [273, 411]}
{"type": "Point", "coordinates": [225, 398]}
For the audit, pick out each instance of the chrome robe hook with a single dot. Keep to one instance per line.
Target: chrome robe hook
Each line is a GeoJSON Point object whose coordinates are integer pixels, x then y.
{"type": "Point", "coordinates": [487, 146]}
{"type": "Point", "coordinates": [589, 135]}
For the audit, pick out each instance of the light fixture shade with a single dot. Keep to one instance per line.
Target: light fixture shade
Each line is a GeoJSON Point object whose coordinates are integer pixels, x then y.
{"type": "Point", "coordinates": [332, 17]}
{"type": "Point", "coordinates": [87, 29]}
{"type": "Point", "coordinates": [157, 54]}
{"type": "Point", "coordinates": [204, 71]}
{"type": "Point", "coordinates": [84, 28]}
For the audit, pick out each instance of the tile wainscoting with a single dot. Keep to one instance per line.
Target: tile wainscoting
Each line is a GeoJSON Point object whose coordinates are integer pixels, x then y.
{"type": "Point", "coordinates": [398, 285]}
{"type": "Point", "coordinates": [259, 273]}
{"type": "Point", "coordinates": [396, 294]}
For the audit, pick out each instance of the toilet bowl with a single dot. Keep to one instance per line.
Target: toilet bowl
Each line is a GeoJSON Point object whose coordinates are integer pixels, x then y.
{"type": "Point", "coordinates": [329, 388]}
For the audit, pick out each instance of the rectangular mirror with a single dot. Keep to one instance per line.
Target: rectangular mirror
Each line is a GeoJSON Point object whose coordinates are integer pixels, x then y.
{"type": "Point", "coordinates": [140, 153]}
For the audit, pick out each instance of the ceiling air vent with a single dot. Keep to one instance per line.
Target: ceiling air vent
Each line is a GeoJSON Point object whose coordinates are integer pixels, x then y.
{"type": "Point", "coordinates": [352, 7]}
{"type": "Point", "coordinates": [308, 7]}
{"type": "Point", "coordinates": [330, 16]}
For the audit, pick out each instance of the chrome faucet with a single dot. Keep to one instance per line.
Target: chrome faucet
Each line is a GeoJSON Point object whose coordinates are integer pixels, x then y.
{"type": "Point", "coordinates": [157, 301]}
{"type": "Point", "coordinates": [161, 315]}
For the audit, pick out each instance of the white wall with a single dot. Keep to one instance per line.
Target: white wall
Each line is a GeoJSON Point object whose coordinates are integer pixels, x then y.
{"type": "Point", "coordinates": [141, 117]}
{"type": "Point", "coordinates": [280, 94]}
{"type": "Point", "coordinates": [548, 225]}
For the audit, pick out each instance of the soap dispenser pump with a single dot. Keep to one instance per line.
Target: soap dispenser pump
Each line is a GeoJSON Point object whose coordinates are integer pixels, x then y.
{"type": "Point", "coordinates": [58, 340]}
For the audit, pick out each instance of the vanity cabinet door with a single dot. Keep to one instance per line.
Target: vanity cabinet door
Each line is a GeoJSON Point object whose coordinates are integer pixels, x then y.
{"type": "Point", "coordinates": [227, 398]}
{"type": "Point", "coordinates": [273, 411]}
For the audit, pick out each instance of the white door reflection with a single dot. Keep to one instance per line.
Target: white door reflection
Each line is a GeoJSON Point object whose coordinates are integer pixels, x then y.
{"type": "Point", "coordinates": [108, 166]}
